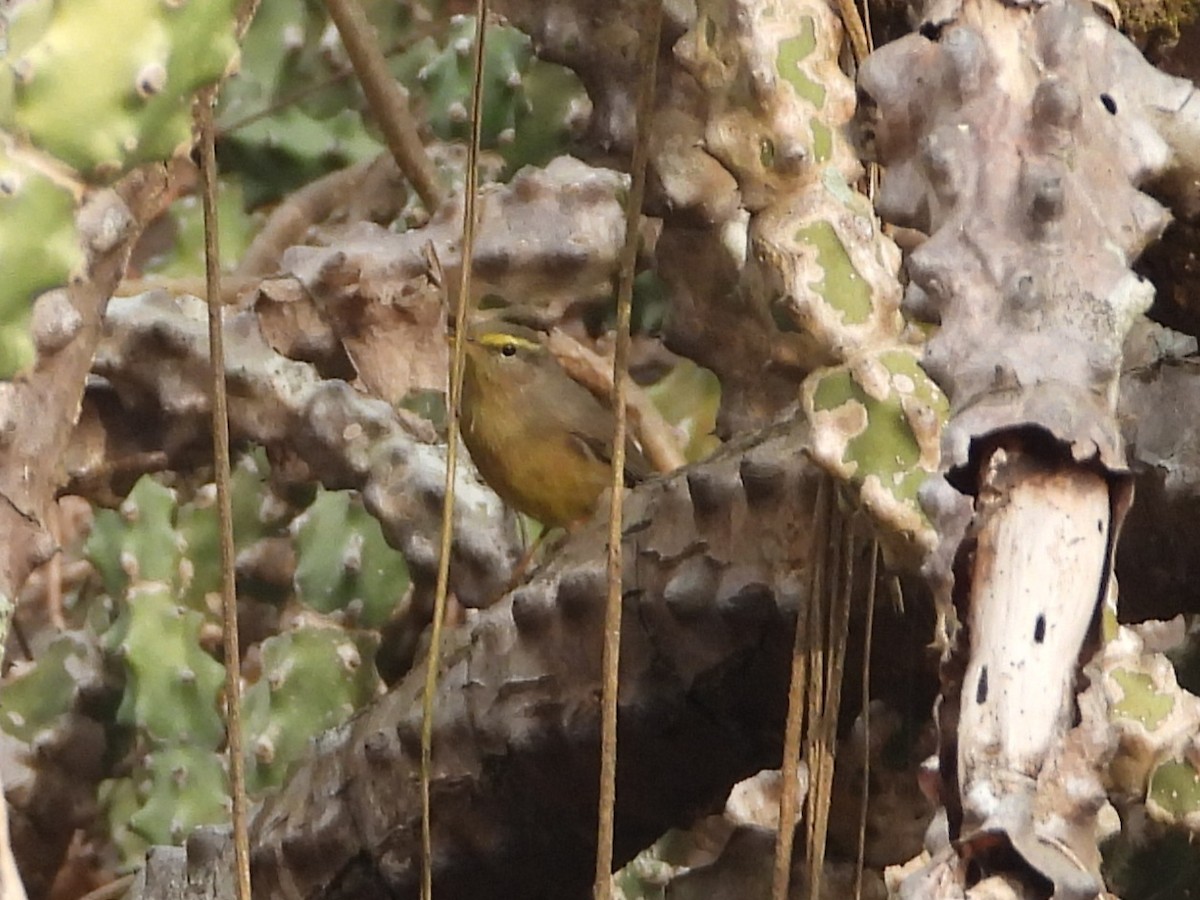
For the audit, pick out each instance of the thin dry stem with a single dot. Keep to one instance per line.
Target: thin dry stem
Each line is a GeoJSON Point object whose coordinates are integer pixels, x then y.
{"type": "Point", "coordinates": [872, 573]}
{"type": "Point", "coordinates": [818, 649]}
{"type": "Point", "coordinates": [455, 402]}
{"type": "Point", "coordinates": [872, 167]}
{"type": "Point", "coordinates": [301, 209]}
{"type": "Point", "coordinates": [856, 32]}
{"type": "Point", "coordinates": [220, 430]}
{"type": "Point", "coordinates": [232, 287]}
{"type": "Point", "coordinates": [417, 32]}
{"type": "Point", "coordinates": [839, 629]}
{"type": "Point", "coordinates": [589, 368]}
{"type": "Point", "coordinates": [797, 691]}
{"type": "Point", "coordinates": [611, 660]}
{"type": "Point", "coordinates": [113, 890]}
{"type": "Point", "coordinates": [54, 573]}
{"type": "Point", "coordinates": [245, 15]}
{"type": "Point", "coordinates": [387, 100]}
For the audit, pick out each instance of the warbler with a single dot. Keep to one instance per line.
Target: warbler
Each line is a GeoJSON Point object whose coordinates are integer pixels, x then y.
{"type": "Point", "coordinates": [539, 438]}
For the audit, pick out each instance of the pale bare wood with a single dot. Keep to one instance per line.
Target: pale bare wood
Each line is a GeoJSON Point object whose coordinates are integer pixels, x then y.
{"type": "Point", "coordinates": [1039, 570]}
{"type": "Point", "coordinates": [1043, 540]}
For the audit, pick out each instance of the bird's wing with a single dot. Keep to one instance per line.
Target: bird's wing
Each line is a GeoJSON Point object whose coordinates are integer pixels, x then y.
{"type": "Point", "coordinates": [589, 420]}
{"type": "Point", "coordinates": [600, 449]}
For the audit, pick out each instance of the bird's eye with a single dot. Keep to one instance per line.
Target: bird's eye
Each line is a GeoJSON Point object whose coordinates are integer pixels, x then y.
{"type": "Point", "coordinates": [509, 349]}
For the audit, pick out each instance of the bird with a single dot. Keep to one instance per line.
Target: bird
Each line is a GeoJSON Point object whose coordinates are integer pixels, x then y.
{"type": "Point", "coordinates": [540, 439]}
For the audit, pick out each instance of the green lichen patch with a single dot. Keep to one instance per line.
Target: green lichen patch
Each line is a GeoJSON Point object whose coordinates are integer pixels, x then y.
{"type": "Point", "coordinates": [769, 70]}
{"type": "Point", "coordinates": [879, 396]}
{"type": "Point", "coordinates": [827, 272]}
{"type": "Point", "coordinates": [822, 142]}
{"type": "Point", "coordinates": [876, 425]}
{"type": "Point", "coordinates": [1140, 701]}
{"type": "Point", "coordinates": [1174, 794]}
{"type": "Point", "coordinates": [790, 63]}
{"type": "Point", "coordinates": [842, 287]}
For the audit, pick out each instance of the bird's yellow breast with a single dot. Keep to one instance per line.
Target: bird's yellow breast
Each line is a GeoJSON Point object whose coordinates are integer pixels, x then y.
{"type": "Point", "coordinates": [536, 468]}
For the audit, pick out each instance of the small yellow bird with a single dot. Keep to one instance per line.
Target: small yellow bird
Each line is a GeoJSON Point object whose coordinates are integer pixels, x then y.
{"type": "Point", "coordinates": [538, 437]}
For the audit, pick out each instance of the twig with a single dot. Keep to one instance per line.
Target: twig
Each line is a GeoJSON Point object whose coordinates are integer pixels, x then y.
{"type": "Point", "coordinates": [872, 167]}
{"type": "Point", "coordinates": [112, 890]}
{"type": "Point", "coordinates": [839, 628]}
{"type": "Point", "coordinates": [856, 33]}
{"type": "Point", "coordinates": [220, 430]}
{"type": "Point", "coordinates": [872, 573]}
{"type": "Point", "coordinates": [387, 100]}
{"type": "Point", "coordinates": [594, 372]}
{"type": "Point", "coordinates": [611, 660]}
{"type": "Point", "coordinates": [231, 287]}
{"type": "Point", "coordinates": [292, 218]}
{"type": "Point", "coordinates": [470, 190]}
{"type": "Point", "coordinates": [245, 15]}
{"type": "Point", "coordinates": [416, 34]}
{"type": "Point", "coordinates": [54, 573]}
{"type": "Point", "coordinates": [18, 632]}
{"type": "Point", "coordinates": [797, 690]}
{"type": "Point", "coordinates": [818, 649]}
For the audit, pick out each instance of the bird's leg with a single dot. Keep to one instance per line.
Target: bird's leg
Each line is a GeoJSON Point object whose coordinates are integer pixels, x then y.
{"type": "Point", "coordinates": [518, 574]}
{"type": "Point", "coordinates": [542, 542]}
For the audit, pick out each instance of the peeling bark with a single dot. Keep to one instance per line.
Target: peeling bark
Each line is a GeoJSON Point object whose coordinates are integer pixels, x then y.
{"type": "Point", "coordinates": [1038, 574]}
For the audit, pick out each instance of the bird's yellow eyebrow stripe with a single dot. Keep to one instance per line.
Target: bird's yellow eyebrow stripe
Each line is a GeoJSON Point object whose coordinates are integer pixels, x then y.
{"type": "Point", "coordinates": [497, 339]}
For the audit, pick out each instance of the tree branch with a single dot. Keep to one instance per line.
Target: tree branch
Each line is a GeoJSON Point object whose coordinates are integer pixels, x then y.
{"type": "Point", "coordinates": [711, 592]}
